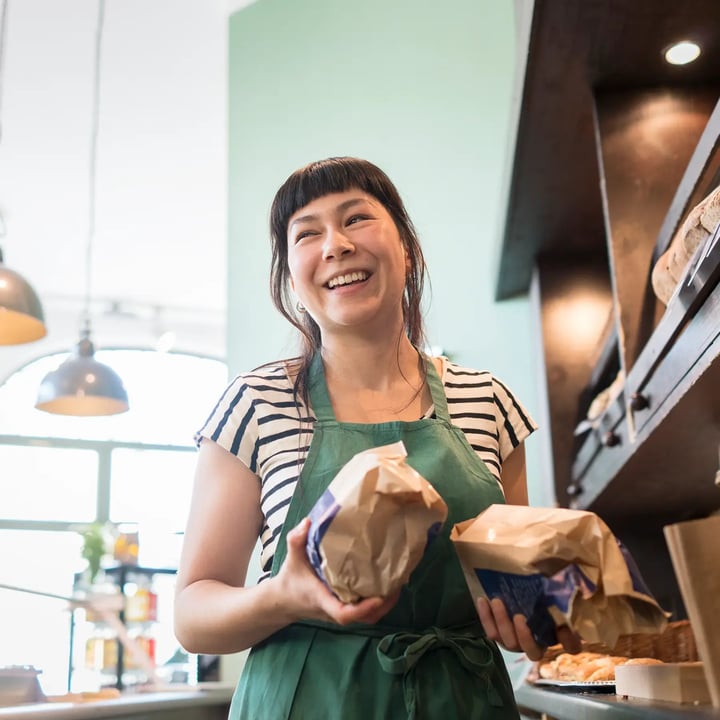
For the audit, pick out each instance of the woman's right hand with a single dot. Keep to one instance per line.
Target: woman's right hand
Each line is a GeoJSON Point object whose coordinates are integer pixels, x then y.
{"type": "Point", "coordinates": [514, 634]}
{"type": "Point", "coordinates": [308, 597]}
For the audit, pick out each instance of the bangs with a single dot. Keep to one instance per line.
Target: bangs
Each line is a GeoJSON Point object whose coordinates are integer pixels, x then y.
{"type": "Point", "coordinates": [334, 175]}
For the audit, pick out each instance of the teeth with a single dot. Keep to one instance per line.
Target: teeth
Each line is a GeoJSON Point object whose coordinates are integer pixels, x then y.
{"type": "Point", "coordinates": [347, 279]}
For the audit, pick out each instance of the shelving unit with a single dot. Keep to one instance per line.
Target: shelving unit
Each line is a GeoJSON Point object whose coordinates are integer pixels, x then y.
{"type": "Point", "coordinates": [614, 147]}
{"type": "Point", "coordinates": [137, 615]}
{"type": "Point", "coordinates": [667, 354]}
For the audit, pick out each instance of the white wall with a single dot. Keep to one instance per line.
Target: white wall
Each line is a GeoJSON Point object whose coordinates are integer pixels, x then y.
{"type": "Point", "coordinates": [160, 242]}
{"type": "Point", "coordinates": [425, 91]}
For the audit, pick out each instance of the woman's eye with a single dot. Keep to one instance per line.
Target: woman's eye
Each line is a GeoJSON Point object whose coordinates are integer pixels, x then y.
{"type": "Point", "coordinates": [302, 234]}
{"type": "Point", "coordinates": [356, 218]}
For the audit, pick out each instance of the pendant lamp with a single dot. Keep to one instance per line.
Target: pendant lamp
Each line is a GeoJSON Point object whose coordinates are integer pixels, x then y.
{"type": "Point", "coordinates": [82, 385]}
{"type": "Point", "coordinates": [21, 314]}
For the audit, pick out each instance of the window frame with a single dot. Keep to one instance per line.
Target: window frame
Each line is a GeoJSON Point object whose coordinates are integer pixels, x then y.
{"type": "Point", "coordinates": [104, 449]}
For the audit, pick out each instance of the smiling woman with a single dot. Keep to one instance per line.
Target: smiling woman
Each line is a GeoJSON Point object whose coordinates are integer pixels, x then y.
{"type": "Point", "coordinates": [60, 474]}
{"type": "Point", "coordinates": [344, 246]}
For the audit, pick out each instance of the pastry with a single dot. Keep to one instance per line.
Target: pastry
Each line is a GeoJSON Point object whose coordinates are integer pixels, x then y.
{"type": "Point", "coordinates": [588, 667]}
{"type": "Point", "coordinates": [697, 227]}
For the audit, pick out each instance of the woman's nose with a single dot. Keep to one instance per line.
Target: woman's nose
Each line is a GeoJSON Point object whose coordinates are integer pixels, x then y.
{"type": "Point", "coordinates": [336, 245]}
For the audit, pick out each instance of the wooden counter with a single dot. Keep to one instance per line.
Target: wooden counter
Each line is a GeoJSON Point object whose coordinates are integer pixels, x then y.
{"type": "Point", "coordinates": [210, 701]}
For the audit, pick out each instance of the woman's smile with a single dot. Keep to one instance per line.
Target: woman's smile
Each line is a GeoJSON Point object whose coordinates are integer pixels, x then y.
{"type": "Point", "coordinates": [348, 278]}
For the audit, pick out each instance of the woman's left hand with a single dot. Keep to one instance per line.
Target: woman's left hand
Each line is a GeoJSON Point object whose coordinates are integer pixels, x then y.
{"type": "Point", "coordinates": [514, 634]}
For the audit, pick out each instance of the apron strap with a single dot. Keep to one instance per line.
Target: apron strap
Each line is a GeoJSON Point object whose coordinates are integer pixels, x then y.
{"type": "Point", "coordinates": [437, 390]}
{"type": "Point", "coordinates": [320, 399]}
{"type": "Point", "coordinates": [317, 389]}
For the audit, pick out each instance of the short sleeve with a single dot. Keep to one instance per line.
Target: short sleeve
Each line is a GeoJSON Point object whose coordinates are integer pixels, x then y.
{"type": "Point", "coordinates": [514, 423]}
{"type": "Point", "coordinates": [232, 424]}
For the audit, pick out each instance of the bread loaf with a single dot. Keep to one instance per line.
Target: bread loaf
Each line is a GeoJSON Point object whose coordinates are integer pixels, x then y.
{"type": "Point", "coordinates": [711, 213]}
{"type": "Point", "coordinates": [588, 666]}
{"type": "Point", "coordinates": [663, 283]}
{"type": "Point", "coordinates": [697, 227]}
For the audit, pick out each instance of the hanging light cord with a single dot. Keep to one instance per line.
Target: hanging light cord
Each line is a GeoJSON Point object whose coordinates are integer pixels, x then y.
{"type": "Point", "coordinates": [93, 164]}
{"type": "Point", "coordinates": [3, 35]}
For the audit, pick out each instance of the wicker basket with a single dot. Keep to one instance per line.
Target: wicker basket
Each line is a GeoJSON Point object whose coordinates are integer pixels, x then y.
{"type": "Point", "coordinates": [675, 644]}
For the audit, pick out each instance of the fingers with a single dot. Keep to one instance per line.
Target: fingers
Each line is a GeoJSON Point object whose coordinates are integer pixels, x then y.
{"type": "Point", "coordinates": [497, 623]}
{"type": "Point", "coordinates": [488, 619]}
{"type": "Point", "coordinates": [297, 537]}
{"type": "Point", "coordinates": [569, 640]}
{"type": "Point", "coordinates": [366, 610]}
{"type": "Point", "coordinates": [512, 633]}
{"type": "Point", "coordinates": [313, 598]}
{"type": "Point", "coordinates": [526, 640]}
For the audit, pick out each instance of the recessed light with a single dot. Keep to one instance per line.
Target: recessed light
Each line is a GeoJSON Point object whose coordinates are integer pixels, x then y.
{"type": "Point", "coordinates": [682, 53]}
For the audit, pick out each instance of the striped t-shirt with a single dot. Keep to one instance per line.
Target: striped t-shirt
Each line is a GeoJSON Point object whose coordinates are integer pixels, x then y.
{"type": "Point", "coordinates": [258, 420]}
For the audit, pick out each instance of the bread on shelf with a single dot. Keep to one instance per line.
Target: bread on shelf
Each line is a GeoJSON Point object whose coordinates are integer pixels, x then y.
{"type": "Point", "coordinates": [700, 223]}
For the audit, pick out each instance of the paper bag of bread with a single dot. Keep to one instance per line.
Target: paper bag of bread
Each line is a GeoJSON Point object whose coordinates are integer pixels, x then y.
{"type": "Point", "coordinates": [370, 527]}
{"type": "Point", "coordinates": [556, 567]}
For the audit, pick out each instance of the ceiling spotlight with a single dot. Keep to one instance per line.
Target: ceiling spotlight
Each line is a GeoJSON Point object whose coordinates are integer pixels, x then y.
{"type": "Point", "coordinates": [682, 53]}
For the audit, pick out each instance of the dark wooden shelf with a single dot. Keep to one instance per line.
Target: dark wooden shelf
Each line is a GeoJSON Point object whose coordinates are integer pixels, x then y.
{"type": "Point", "coordinates": [672, 461]}
{"type": "Point", "coordinates": [677, 375]}
{"type": "Point", "coordinates": [577, 49]}
{"type": "Point", "coordinates": [613, 148]}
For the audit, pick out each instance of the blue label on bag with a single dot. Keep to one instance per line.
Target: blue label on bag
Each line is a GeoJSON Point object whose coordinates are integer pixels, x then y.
{"type": "Point", "coordinates": [433, 532]}
{"type": "Point", "coordinates": [635, 577]}
{"type": "Point", "coordinates": [532, 595]}
{"type": "Point", "coordinates": [322, 514]}
{"type": "Point", "coordinates": [524, 595]}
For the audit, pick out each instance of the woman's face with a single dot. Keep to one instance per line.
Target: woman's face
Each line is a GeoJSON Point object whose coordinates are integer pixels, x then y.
{"type": "Point", "coordinates": [347, 262]}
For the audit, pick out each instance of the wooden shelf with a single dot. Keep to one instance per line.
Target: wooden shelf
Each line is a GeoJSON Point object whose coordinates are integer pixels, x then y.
{"type": "Point", "coordinates": [671, 462]}
{"type": "Point", "coordinates": [613, 149]}
{"type": "Point", "coordinates": [575, 50]}
{"type": "Point", "coordinates": [675, 373]}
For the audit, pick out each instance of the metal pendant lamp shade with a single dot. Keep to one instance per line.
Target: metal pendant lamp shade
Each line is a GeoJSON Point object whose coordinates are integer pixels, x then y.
{"type": "Point", "coordinates": [82, 386]}
{"type": "Point", "coordinates": [21, 314]}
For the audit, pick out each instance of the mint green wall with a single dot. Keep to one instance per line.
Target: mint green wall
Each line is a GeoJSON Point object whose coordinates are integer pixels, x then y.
{"type": "Point", "coordinates": [421, 88]}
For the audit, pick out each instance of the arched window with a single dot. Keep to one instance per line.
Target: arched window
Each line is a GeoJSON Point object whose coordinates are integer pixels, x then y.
{"type": "Point", "coordinates": [59, 473]}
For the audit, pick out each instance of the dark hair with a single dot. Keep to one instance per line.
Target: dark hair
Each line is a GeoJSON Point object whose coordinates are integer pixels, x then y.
{"type": "Point", "coordinates": [334, 175]}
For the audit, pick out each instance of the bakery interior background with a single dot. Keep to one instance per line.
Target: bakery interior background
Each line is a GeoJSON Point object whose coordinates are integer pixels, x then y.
{"type": "Point", "coordinates": [205, 107]}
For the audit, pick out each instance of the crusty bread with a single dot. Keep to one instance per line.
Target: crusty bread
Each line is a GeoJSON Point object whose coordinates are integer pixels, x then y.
{"type": "Point", "coordinates": [711, 211]}
{"type": "Point", "coordinates": [692, 232]}
{"type": "Point", "coordinates": [697, 227]}
{"type": "Point", "coordinates": [663, 283]}
{"type": "Point", "coordinates": [679, 258]}
{"type": "Point", "coordinates": [588, 666]}
{"type": "Point", "coordinates": [644, 661]}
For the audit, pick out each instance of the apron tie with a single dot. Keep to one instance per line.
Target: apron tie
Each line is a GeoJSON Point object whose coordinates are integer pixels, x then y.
{"type": "Point", "coordinates": [399, 654]}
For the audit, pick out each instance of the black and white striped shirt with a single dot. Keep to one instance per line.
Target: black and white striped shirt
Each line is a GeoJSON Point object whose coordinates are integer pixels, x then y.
{"type": "Point", "coordinates": [258, 420]}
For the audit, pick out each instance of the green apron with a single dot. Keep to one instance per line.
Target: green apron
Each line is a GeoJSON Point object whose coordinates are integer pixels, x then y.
{"type": "Point", "coordinates": [427, 659]}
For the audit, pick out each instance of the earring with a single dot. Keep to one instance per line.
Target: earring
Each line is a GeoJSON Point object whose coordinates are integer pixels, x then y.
{"type": "Point", "coordinates": [300, 307]}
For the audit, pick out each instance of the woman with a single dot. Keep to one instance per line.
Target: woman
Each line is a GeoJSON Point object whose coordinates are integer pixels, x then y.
{"type": "Point", "coordinates": [347, 271]}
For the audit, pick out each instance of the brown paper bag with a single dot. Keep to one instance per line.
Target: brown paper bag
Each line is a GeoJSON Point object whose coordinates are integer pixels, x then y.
{"type": "Point", "coordinates": [696, 560]}
{"type": "Point", "coordinates": [556, 567]}
{"type": "Point", "coordinates": [370, 528]}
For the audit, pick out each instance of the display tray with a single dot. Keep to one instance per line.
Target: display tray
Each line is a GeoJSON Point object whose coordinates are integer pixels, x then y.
{"type": "Point", "coordinates": [595, 686]}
